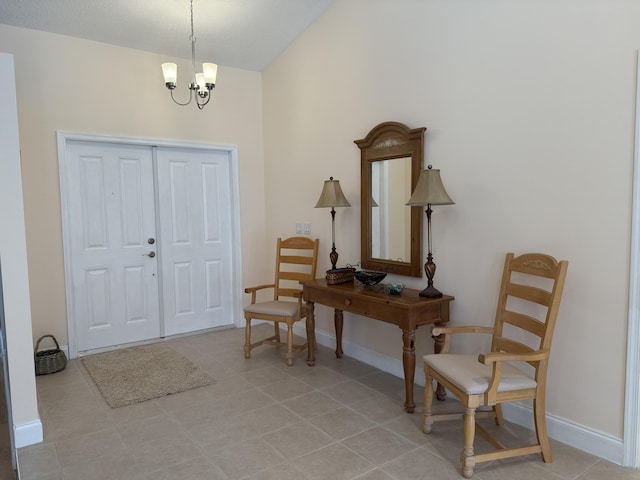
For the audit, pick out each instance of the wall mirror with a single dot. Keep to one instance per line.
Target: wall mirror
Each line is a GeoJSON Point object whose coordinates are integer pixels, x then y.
{"type": "Point", "coordinates": [391, 158]}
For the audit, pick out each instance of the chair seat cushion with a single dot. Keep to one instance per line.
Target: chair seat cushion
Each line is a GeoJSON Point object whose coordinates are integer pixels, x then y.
{"type": "Point", "coordinates": [472, 377]}
{"type": "Point", "coordinates": [274, 307]}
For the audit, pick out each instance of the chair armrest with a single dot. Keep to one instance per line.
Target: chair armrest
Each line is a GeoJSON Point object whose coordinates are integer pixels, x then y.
{"type": "Point", "coordinates": [437, 331]}
{"type": "Point", "coordinates": [497, 359]}
{"type": "Point", "coordinates": [493, 357]}
{"type": "Point", "coordinates": [253, 290]}
{"type": "Point", "coordinates": [259, 287]}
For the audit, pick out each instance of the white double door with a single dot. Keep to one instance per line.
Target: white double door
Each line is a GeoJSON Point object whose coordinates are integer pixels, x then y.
{"type": "Point", "coordinates": [150, 241]}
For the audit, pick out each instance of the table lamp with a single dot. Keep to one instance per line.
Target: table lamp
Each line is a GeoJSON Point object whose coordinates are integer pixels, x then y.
{"type": "Point", "coordinates": [430, 191]}
{"type": "Point", "coordinates": [332, 196]}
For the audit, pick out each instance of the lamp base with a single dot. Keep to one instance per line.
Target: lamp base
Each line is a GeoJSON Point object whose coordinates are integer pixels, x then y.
{"type": "Point", "coordinates": [431, 292]}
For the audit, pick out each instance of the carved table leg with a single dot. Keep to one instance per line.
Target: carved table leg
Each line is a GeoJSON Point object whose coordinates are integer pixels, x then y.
{"type": "Point", "coordinates": [311, 335]}
{"type": "Point", "coordinates": [338, 321]}
{"type": "Point", "coordinates": [409, 365]}
{"type": "Point", "coordinates": [438, 342]}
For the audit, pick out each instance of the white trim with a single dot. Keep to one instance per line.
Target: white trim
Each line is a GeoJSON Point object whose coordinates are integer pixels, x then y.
{"type": "Point", "coordinates": [631, 435]}
{"type": "Point", "coordinates": [66, 233]}
{"type": "Point", "coordinates": [573, 434]}
{"type": "Point", "coordinates": [232, 150]}
{"type": "Point", "coordinates": [578, 436]}
{"type": "Point", "coordinates": [237, 238]}
{"type": "Point", "coordinates": [28, 433]}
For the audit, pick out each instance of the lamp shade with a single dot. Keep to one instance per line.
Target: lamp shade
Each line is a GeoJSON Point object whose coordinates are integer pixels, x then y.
{"type": "Point", "coordinates": [170, 72]}
{"type": "Point", "coordinates": [210, 72]}
{"type": "Point", "coordinates": [430, 190]}
{"type": "Point", "coordinates": [332, 195]}
{"type": "Point", "coordinates": [201, 83]}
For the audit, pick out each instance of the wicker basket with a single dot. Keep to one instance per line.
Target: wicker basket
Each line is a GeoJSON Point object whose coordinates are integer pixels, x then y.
{"type": "Point", "coordinates": [340, 275]}
{"type": "Point", "coordinates": [49, 361]}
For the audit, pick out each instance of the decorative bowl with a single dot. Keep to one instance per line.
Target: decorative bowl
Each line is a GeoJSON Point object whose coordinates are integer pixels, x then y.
{"type": "Point", "coordinates": [369, 278]}
{"type": "Point", "coordinates": [394, 288]}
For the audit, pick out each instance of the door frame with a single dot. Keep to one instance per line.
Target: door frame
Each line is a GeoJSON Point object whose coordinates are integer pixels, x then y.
{"type": "Point", "coordinates": [232, 150]}
{"type": "Point", "coordinates": [631, 433]}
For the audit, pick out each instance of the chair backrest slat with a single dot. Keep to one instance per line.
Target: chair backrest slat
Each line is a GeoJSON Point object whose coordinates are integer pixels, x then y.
{"type": "Point", "coordinates": [296, 260]}
{"type": "Point", "coordinates": [527, 292]}
{"type": "Point", "coordinates": [294, 276]}
{"type": "Point", "coordinates": [524, 322]}
{"type": "Point", "coordinates": [509, 345]}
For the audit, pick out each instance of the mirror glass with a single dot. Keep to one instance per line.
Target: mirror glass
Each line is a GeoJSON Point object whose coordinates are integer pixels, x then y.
{"type": "Point", "coordinates": [390, 217]}
{"type": "Point", "coordinates": [391, 233]}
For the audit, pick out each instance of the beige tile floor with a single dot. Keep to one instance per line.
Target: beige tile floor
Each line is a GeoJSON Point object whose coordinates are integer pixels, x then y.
{"type": "Point", "coordinates": [262, 420]}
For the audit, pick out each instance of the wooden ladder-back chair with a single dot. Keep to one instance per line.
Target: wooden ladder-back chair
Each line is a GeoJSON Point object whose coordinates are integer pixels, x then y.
{"type": "Point", "coordinates": [296, 260]}
{"type": "Point", "coordinates": [492, 378]}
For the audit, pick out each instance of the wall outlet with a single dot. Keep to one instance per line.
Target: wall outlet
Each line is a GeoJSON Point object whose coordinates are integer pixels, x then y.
{"type": "Point", "coordinates": [303, 228]}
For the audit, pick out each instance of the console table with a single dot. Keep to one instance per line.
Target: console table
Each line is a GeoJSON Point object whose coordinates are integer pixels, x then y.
{"type": "Point", "coordinates": [407, 310]}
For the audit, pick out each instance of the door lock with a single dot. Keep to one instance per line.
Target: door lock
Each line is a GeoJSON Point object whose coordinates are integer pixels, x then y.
{"type": "Point", "coordinates": [151, 241]}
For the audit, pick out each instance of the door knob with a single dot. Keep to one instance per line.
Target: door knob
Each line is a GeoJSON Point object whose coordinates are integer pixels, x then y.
{"type": "Point", "coordinates": [150, 254]}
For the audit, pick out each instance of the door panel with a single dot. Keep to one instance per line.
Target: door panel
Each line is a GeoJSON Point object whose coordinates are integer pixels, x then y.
{"type": "Point", "coordinates": [195, 238]}
{"type": "Point", "coordinates": [112, 212]}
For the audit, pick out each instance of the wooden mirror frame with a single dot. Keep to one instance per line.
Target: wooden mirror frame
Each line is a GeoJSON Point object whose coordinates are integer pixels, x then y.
{"type": "Point", "coordinates": [387, 141]}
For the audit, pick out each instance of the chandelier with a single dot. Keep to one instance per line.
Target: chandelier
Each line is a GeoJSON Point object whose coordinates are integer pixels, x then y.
{"type": "Point", "coordinates": [201, 83]}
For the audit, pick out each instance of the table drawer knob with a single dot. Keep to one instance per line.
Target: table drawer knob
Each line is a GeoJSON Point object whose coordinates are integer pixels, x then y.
{"type": "Point", "coordinates": [347, 301]}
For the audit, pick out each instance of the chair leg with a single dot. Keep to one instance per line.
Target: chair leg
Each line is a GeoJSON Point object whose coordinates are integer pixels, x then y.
{"type": "Point", "coordinates": [497, 408]}
{"type": "Point", "coordinates": [427, 417]}
{"type": "Point", "coordinates": [467, 457]}
{"type": "Point", "coordinates": [276, 333]}
{"type": "Point", "coordinates": [247, 338]}
{"type": "Point", "coordinates": [541, 428]}
{"type": "Point", "coordinates": [289, 344]}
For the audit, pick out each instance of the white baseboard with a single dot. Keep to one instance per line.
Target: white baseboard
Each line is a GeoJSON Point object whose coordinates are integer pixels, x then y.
{"type": "Point", "coordinates": [578, 436]}
{"type": "Point", "coordinates": [28, 433]}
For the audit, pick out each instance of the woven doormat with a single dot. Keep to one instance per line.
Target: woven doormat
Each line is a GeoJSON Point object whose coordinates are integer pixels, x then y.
{"type": "Point", "coordinates": [136, 374]}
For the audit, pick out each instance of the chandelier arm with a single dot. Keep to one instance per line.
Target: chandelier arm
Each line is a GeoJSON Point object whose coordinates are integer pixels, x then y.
{"type": "Point", "coordinates": [202, 105]}
{"type": "Point", "coordinates": [183, 104]}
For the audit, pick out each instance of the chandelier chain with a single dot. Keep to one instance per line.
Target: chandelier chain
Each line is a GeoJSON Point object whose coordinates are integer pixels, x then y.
{"type": "Point", "coordinates": [193, 50]}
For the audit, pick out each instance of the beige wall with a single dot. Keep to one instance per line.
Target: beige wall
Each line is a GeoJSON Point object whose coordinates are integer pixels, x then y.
{"type": "Point", "coordinates": [529, 107]}
{"type": "Point", "coordinates": [68, 84]}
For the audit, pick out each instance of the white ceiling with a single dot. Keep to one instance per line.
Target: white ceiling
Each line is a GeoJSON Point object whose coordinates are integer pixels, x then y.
{"type": "Point", "coordinates": [246, 34]}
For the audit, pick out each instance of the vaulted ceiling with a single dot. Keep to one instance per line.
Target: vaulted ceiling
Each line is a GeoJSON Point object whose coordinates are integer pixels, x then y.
{"type": "Point", "coordinates": [246, 34]}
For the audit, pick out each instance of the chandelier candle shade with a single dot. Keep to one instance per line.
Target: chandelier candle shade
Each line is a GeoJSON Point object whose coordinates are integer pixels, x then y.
{"type": "Point", "coordinates": [430, 191]}
{"type": "Point", "coordinates": [201, 83]}
{"type": "Point", "coordinates": [332, 196]}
